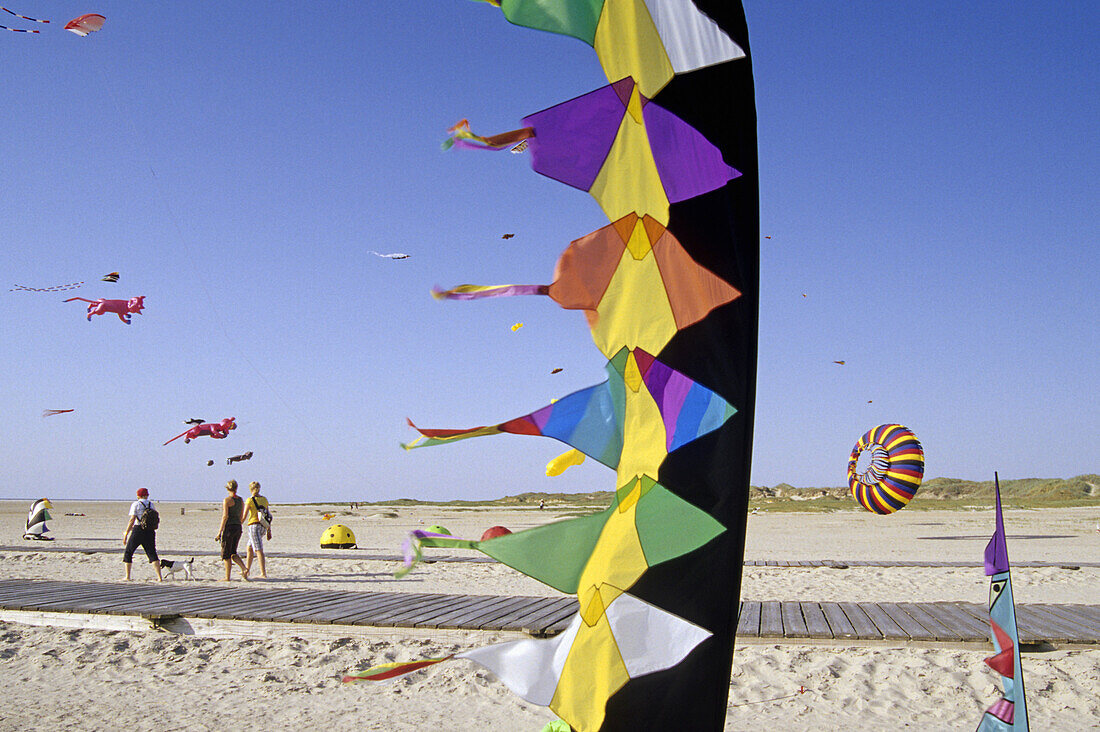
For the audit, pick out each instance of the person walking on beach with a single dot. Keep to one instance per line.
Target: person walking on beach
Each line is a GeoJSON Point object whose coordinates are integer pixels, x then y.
{"type": "Point", "coordinates": [141, 530]}
{"type": "Point", "coordinates": [229, 534]}
{"type": "Point", "coordinates": [256, 519]}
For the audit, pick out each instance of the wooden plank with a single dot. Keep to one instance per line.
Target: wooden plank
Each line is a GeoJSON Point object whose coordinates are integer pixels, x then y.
{"type": "Point", "coordinates": [153, 601]}
{"type": "Point", "coordinates": [382, 604]}
{"type": "Point", "coordinates": [930, 619]}
{"type": "Point", "coordinates": [210, 604]}
{"type": "Point", "coordinates": [536, 618]}
{"type": "Point", "coordinates": [39, 587]}
{"type": "Point", "coordinates": [225, 605]}
{"type": "Point", "coordinates": [371, 604]}
{"type": "Point", "coordinates": [43, 597]}
{"type": "Point", "coordinates": [531, 611]}
{"type": "Point", "coordinates": [771, 622]}
{"type": "Point", "coordinates": [472, 615]}
{"type": "Point", "coordinates": [296, 603]}
{"type": "Point", "coordinates": [19, 590]}
{"type": "Point", "coordinates": [839, 625]}
{"type": "Point", "coordinates": [1066, 613]}
{"type": "Point", "coordinates": [947, 622]}
{"type": "Point", "coordinates": [109, 605]}
{"type": "Point", "coordinates": [515, 617]}
{"type": "Point", "coordinates": [553, 620]}
{"type": "Point", "coordinates": [346, 604]}
{"type": "Point", "coordinates": [794, 625]}
{"type": "Point", "coordinates": [89, 598]}
{"type": "Point", "coordinates": [1072, 630]}
{"type": "Point", "coordinates": [562, 622]}
{"type": "Point", "coordinates": [396, 614]}
{"type": "Point", "coordinates": [748, 620]}
{"type": "Point", "coordinates": [1086, 615]}
{"type": "Point", "coordinates": [506, 607]}
{"type": "Point", "coordinates": [886, 626]}
{"type": "Point", "coordinates": [967, 625]}
{"type": "Point", "coordinates": [1048, 626]}
{"type": "Point", "coordinates": [447, 619]}
{"type": "Point", "coordinates": [296, 608]}
{"type": "Point", "coordinates": [911, 626]}
{"type": "Point", "coordinates": [816, 624]}
{"type": "Point", "coordinates": [427, 615]}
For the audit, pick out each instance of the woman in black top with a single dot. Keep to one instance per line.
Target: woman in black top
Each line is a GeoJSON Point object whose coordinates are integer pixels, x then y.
{"type": "Point", "coordinates": [230, 532]}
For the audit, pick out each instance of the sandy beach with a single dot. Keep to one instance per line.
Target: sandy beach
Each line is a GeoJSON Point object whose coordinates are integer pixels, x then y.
{"type": "Point", "coordinates": [89, 679]}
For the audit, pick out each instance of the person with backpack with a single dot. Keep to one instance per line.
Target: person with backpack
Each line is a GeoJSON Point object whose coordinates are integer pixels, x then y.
{"type": "Point", "coordinates": [141, 530]}
{"type": "Point", "coordinates": [257, 517]}
{"type": "Point", "coordinates": [229, 534]}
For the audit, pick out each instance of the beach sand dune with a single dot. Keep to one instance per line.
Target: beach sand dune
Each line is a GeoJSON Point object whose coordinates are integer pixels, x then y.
{"type": "Point", "coordinates": [95, 679]}
{"type": "Point", "coordinates": [87, 679]}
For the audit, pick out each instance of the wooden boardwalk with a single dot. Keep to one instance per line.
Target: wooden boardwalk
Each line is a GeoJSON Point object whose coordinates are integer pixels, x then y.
{"type": "Point", "coordinates": [951, 622]}
{"type": "Point", "coordinates": [39, 546]}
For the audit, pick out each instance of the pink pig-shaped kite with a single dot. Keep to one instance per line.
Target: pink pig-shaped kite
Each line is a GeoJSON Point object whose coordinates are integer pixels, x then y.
{"type": "Point", "coordinates": [122, 308]}
{"type": "Point", "coordinates": [217, 430]}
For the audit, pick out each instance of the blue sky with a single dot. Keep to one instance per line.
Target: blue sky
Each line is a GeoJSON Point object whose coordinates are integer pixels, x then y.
{"type": "Point", "coordinates": [928, 181]}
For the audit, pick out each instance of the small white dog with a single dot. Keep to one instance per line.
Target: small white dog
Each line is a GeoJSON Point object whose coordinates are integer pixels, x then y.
{"type": "Point", "coordinates": [169, 567]}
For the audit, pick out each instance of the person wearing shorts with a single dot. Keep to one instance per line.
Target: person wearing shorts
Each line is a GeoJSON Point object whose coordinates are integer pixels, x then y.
{"type": "Point", "coordinates": [135, 536]}
{"type": "Point", "coordinates": [256, 528]}
{"type": "Point", "coordinates": [229, 535]}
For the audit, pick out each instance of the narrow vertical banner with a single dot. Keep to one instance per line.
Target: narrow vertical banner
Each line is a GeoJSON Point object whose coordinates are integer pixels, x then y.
{"type": "Point", "coordinates": [720, 230]}
{"type": "Point", "coordinates": [670, 289]}
{"type": "Point", "coordinates": [1009, 713]}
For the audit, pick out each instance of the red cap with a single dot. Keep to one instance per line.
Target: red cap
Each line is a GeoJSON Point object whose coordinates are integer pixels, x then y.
{"type": "Point", "coordinates": [143, 492]}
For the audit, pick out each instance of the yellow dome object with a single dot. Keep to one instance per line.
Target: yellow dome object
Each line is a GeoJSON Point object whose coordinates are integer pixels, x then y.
{"type": "Point", "coordinates": [338, 536]}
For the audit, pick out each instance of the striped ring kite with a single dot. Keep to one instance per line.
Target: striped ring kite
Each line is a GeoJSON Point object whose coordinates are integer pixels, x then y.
{"type": "Point", "coordinates": [895, 472]}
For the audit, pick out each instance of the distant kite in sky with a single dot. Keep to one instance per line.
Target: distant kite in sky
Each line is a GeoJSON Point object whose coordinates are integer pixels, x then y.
{"type": "Point", "coordinates": [516, 326]}
{"type": "Point", "coordinates": [840, 363]}
{"type": "Point", "coordinates": [209, 463]}
{"type": "Point", "coordinates": [24, 17]}
{"type": "Point", "coordinates": [85, 24]}
{"type": "Point", "coordinates": [767, 237]}
{"type": "Point", "coordinates": [238, 458]}
{"type": "Point", "coordinates": [124, 309]}
{"type": "Point", "coordinates": [392, 255]}
{"type": "Point", "coordinates": [52, 412]}
{"type": "Point", "coordinates": [194, 420]}
{"type": "Point", "coordinates": [54, 288]}
{"type": "Point", "coordinates": [112, 277]}
{"type": "Point", "coordinates": [81, 26]}
{"type": "Point", "coordinates": [555, 371]}
{"type": "Point", "coordinates": [506, 236]}
{"type": "Point", "coordinates": [216, 430]}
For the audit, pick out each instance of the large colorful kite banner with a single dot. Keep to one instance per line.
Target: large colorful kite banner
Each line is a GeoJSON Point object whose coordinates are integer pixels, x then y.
{"type": "Point", "coordinates": [670, 291]}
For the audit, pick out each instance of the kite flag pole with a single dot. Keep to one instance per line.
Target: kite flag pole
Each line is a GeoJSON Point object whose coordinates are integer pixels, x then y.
{"type": "Point", "coordinates": [1009, 713]}
{"type": "Point", "coordinates": [670, 290]}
